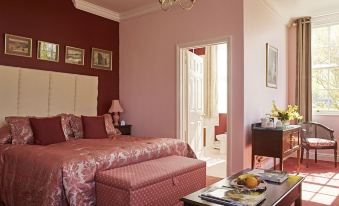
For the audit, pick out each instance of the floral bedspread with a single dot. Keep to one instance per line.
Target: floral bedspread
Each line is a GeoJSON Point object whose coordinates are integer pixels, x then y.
{"type": "Point", "coordinates": [63, 173]}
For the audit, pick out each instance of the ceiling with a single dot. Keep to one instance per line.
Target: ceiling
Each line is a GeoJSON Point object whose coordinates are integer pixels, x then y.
{"type": "Point", "coordinates": [123, 9]}
{"type": "Point", "coordinates": [122, 6]}
{"type": "Point", "coordinates": [296, 8]}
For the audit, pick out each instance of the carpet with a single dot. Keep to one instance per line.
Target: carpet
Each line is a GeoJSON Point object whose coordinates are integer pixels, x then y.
{"type": "Point", "coordinates": [321, 184]}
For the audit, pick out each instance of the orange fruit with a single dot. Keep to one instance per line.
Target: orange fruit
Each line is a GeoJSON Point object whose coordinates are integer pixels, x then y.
{"type": "Point", "coordinates": [251, 182]}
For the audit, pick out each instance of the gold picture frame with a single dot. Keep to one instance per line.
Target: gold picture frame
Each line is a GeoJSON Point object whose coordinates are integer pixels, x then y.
{"type": "Point", "coordinates": [271, 66]}
{"type": "Point", "coordinates": [48, 51]}
{"type": "Point", "coordinates": [101, 59]}
{"type": "Point", "coordinates": [74, 55]}
{"type": "Point", "coordinates": [18, 45]}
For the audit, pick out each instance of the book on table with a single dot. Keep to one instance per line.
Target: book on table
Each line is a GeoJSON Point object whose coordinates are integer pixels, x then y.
{"type": "Point", "coordinates": [232, 196]}
{"type": "Point", "coordinates": [274, 176]}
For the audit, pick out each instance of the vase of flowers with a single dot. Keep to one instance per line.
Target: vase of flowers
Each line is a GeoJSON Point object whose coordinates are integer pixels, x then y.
{"type": "Point", "coordinates": [285, 116]}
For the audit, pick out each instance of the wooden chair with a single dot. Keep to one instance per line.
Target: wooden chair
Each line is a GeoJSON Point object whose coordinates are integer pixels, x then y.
{"type": "Point", "coordinates": [317, 136]}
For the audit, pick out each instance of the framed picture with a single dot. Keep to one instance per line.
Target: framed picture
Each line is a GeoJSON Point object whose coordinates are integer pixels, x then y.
{"type": "Point", "coordinates": [271, 66]}
{"type": "Point", "coordinates": [18, 45]}
{"type": "Point", "coordinates": [74, 55]}
{"type": "Point", "coordinates": [48, 51]}
{"type": "Point", "coordinates": [101, 59]}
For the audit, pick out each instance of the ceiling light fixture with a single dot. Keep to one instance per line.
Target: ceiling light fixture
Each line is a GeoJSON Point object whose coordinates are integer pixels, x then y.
{"type": "Point", "coordinates": [184, 4]}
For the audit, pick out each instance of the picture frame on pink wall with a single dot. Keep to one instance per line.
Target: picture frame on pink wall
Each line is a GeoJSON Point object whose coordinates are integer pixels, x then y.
{"type": "Point", "coordinates": [101, 59]}
{"type": "Point", "coordinates": [18, 45]}
{"type": "Point", "coordinates": [271, 66]}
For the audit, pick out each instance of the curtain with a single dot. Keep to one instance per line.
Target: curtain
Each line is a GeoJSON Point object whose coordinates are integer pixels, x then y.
{"type": "Point", "coordinates": [304, 68]}
{"type": "Point", "coordinates": [211, 97]}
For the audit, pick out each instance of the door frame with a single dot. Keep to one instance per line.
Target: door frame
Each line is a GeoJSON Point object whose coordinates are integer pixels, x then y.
{"type": "Point", "coordinates": [181, 113]}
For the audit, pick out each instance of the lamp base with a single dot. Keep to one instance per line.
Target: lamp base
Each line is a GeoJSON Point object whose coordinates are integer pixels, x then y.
{"type": "Point", "coordinates": [116, 118]}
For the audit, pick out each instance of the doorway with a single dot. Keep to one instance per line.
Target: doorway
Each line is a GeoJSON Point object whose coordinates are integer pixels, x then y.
{"type": "Point", "coordinates": [203, 71]}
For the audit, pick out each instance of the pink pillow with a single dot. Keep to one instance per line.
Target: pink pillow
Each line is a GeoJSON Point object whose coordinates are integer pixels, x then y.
{"type": "Point", "coordinates": [20, 129]}
{"type": "Point", "coordinates": [76, 125]}
{"type": "Point", "coordinates": [47, 130]}
{"type": "Point", "coordinates": [5, 135]}
{"type": "Point", "coordinates": [66, 125]}
{"type": "Point", "coordinates": [94, 127]}
{"type": "Point", "coordinates": [109, 125]}
{"type": "Point", "coordinates": [77, 128]}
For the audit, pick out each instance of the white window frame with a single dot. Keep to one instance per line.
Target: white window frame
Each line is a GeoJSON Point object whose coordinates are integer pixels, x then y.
{"type": "Point", "coordinates": [319, 25]}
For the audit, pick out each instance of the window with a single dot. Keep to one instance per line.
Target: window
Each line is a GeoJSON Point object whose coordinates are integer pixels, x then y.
{"type": "Point", "coordinates": [325, 68]}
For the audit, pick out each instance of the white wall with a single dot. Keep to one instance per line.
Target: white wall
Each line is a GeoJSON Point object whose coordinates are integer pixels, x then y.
{"type": "Point", "coordinates": [261, 26]}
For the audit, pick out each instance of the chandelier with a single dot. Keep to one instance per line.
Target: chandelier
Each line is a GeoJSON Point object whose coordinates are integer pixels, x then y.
{"type": "Point", "coordinates": [184, 4]}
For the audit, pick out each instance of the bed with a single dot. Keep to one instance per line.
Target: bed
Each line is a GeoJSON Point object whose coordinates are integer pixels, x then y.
{"type": "Point", "coordinates": [63, 173]}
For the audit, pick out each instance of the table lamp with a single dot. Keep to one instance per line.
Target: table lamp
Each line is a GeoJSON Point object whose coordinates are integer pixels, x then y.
{"type": "Point", "coordinates": [116, 109]}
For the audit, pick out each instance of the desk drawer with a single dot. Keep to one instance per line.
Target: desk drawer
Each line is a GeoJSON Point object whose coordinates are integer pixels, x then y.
{"type": "Point", "coordinates": [290, 141]}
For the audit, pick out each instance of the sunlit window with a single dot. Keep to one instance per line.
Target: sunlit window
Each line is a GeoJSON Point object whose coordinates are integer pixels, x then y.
{"type": "Point", "coordinates": [325, 68]}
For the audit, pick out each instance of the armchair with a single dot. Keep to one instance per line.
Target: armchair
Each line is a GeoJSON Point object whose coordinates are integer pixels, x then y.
{"type": "Point", "coordinates": [317, 136]}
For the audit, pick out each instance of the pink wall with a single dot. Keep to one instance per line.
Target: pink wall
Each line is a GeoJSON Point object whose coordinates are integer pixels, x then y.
{"type": "Point", "coordinates": [261, 26]}
{"type": "Point", "coordinates": [148, 66]}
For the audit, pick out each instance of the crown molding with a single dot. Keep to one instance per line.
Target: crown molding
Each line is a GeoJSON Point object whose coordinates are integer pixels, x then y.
{"type": "Point", "coordinates": [96, 10]}
{"type": "Point", "coordinates": [140, 11]}
{"type": "Point", "coordinates": [284, 19]}
{"type": "Point", "coordinates": [113, 15]}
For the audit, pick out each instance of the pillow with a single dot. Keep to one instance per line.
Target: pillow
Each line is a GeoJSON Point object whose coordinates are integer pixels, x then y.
{"type": "Point", "coordinates": [47, 130]}
{"type": "Point", "coordinates": [5, 135]}
{"type": "Point", "coordinates": [20, 130]}
{"type": "Point", "coordinates": [94, 127]}
{"type": "Point", "coordinates": [76, 125]}
{"type": "Point", "coordinates": [110, 129]}
{"type": "Point", "coordinates": [66, 125]}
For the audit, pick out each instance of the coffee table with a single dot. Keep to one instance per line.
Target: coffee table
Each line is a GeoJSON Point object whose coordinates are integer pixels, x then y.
{"type": "Point", "coordinates": [277, 194]}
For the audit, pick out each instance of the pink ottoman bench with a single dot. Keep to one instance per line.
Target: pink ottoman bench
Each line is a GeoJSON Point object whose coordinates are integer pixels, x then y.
{"type": "Point", "coordinates": [159, 182]}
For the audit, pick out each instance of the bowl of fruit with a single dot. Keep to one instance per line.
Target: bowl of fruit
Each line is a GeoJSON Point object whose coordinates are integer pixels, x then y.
{"type": "Point", "coordinates": [249, 182]}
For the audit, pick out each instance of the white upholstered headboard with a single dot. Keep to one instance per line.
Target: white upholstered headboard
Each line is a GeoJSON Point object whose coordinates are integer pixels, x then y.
{"type": "Point", "coordinates": [29, 92]}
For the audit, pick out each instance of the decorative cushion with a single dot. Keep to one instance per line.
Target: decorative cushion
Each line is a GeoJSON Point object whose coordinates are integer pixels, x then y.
{"type": "Point", "coordinates": [20, 129]}
{"type": "Point", "coordinates": [94, 127]}
{"type": "Point", "coordinates": [47, 130]}
{"type": "Point", "coordinates": [76, 125]}
{"type": "Point", "coordinates": [109, 125]}
{"type": "Point", "coordinates": [5, 135]}
{"type": "Point", "coordinates": [66, 126]}
{"type": "Point", "coordinates": [318, 142]}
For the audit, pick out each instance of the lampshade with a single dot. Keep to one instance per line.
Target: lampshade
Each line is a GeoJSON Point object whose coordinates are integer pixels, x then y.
{"type": "Point", "coordinates": [116, 107]}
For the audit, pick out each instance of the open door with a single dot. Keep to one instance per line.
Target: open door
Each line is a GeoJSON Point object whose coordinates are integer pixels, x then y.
{"type": "Point", "coordinates": [195, 101]}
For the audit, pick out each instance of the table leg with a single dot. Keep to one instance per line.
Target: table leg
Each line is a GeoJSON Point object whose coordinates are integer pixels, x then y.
{"type": "Point", "coordinates": [298, 201]}
{"type": "Point", "coordinates": [298, 159]}
{"type": "Point", "coordinates": [253, 159]}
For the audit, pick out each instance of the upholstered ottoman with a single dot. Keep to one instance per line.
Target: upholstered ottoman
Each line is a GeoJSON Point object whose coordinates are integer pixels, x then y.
{"type": "Point", "coordinates": [159, 182]}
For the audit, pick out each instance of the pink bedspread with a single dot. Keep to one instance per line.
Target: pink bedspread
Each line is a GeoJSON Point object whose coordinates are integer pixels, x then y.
{"type": "Point", "coordinates": [63, 174]}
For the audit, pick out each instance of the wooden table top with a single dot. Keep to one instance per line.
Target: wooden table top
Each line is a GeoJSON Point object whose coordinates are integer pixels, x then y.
{"type": "Point", "coordinates": [275, 192]}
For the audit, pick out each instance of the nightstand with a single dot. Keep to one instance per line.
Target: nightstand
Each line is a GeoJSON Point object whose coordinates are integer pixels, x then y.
{"type": "Point", "coordinates": [125, 129]}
